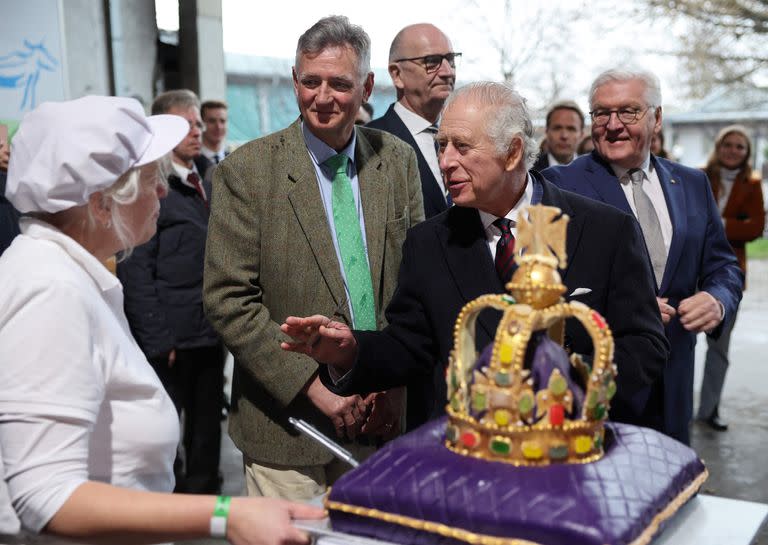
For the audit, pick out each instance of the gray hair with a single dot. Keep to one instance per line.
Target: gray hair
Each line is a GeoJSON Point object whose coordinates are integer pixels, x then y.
{"type": "Point", "coordinates": [336, 31]}
{"type": "Point", "coordinates": [176, 99]}
{"type": "Point", "coordinates": [510, 117]}
{"type": "Point", "coordinates": [124, 192]}
{"type": "Point", "coordinates": [652, 85]}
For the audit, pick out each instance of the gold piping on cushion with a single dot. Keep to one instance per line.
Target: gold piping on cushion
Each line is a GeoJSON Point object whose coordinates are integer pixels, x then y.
{"type": "Point", "coordinates": [482, 539]}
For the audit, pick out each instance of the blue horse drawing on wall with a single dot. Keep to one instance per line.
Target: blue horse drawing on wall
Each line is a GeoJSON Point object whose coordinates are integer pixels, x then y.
{"type": "Point", "coordinates": [22, 68]}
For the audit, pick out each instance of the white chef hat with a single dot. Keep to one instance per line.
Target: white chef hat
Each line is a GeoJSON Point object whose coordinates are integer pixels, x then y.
{"type": "Point", "coordinates": [65, 151]}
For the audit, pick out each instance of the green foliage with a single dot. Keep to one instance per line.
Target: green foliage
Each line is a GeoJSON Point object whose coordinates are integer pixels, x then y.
{"type": "Point", "coordinates": [758, 249]}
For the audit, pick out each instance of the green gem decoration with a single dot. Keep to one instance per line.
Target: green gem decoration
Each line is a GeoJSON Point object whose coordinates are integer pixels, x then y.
{"type": "Point", "coordinates": [502, 378]}
{"type": "Point", "coordinates": [452, 433]}
{"type": "Point", "coordinates": [508, 299]}
{"type": "Point", "coordinates": [598, 441]}
{"type": "Point", "coordinates": [599, 411]}
{"type": "Point", "coordinates": [558, 385]}
{"type": "Point", "coordinates": [525, 404]}
{"type": "Point", "coordinates": [610, 390]}
{"type": "Point", "coordinates": [592, 399]}
{"type": "Point", "coordinates": [455, 403]}
{"type": "Point", "coordinates": [479, 401]}
{"type": "Point", "coordinates": [500, 447]}
{"type": "Point", "coordinates": [558, 452]}
{"type": "Point", "coordinates": [454, 380]}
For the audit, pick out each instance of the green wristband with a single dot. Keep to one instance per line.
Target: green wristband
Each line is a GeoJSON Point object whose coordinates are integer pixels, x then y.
{"type": "Point", "coordinates": [219, 517]}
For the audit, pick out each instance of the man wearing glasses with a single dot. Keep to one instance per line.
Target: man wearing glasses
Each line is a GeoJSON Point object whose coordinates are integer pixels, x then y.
{"type": "Point", "coordinates": [697, 276]}
{"type": "Point", "coordinates": [422, 65]}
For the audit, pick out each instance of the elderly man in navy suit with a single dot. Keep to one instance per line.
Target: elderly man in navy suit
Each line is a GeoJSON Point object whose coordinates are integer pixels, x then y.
{"type": "Point", "coordinates": [486, 152]}
{"type": "Point", "coordinates": [698, 278]}
{"type": "Point", "coordinates": [422, 65]}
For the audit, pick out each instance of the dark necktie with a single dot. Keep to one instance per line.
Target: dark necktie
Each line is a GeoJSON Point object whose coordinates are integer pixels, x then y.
{"type": "Point", "coordinates": [505, 250]}
{"type": "Point", "coordinates": [194, 180]}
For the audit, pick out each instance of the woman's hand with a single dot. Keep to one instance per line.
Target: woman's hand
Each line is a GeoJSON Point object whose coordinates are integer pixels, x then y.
{"type": "Point", "coordinates": [267, 521]}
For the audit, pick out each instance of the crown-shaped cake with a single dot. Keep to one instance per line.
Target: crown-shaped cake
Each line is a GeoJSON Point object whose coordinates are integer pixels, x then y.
{"type": "Point", "coordinates": [523, 400]}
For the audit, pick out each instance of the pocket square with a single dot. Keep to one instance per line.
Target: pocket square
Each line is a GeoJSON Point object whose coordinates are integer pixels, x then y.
{"type": "Point", "coordinates": [580, 291]}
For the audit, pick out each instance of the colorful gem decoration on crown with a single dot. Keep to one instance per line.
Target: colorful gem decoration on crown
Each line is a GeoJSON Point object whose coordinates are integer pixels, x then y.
{"type": "Point", "coordinates": [523, 400]}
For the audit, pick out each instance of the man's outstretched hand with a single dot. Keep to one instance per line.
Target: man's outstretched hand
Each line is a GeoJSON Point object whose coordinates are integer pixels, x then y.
{"type": "Point", "coordinates": [322, 339]}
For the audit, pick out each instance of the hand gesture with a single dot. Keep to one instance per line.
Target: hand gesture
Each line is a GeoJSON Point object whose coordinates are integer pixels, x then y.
{"type": "Point", "coordinates": [386, 411]}
{"type": "Point", "coordinates": [667, 311]}
{"type": "Point", "coordinates": [346, 413]}
{"type": "Point", "coordinates": [322, 339]}
{"type": "Point", "coordinates": [700, 312]}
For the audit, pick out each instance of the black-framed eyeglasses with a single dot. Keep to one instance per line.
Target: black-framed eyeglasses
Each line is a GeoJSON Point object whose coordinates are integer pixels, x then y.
{"type": "Point", "coordinates": [431, 63]}
{"type": "Point", "coordinates": [628, 116]}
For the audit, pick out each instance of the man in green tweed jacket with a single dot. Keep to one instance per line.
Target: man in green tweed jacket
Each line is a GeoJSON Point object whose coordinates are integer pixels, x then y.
{"type": "Point", "coordinates": [278, 245]}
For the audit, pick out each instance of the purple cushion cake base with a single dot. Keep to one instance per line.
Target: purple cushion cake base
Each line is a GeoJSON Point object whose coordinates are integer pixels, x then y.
{"type": "Point", "coordinates": [417, 492]}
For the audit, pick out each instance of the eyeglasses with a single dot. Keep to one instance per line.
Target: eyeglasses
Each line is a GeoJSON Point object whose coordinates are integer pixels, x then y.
{"type": "Point", "coordinates": [432, 63]}
{"type": "Point", "coordinates": [628, 116]}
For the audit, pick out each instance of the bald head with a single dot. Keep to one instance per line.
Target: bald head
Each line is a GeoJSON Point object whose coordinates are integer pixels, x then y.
{"type": "Point", "coordinates": [410, 37]}
{"type": "Point", "coordinates": [420, 91]}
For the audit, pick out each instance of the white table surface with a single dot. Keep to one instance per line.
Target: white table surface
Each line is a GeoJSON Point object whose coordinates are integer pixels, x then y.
{"type": "Point", "coordinates": [705, 520]}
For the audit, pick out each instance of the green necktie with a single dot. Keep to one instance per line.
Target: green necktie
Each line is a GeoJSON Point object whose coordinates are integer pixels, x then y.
{"type": "Point", "coordinates": [351, 247]}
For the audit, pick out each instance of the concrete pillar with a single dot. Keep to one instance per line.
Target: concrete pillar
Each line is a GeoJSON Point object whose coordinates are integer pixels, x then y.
{"type": "Point", "coordinates": [134, 48]}
{"type": "Point", "coordinates": [201, 48]}
{"type": "Point", "coordinates": [85, 48]}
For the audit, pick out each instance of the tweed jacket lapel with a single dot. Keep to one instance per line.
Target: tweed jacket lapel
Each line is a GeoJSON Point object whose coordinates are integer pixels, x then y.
{"type": "Point", "coordinates": [307, 204]}
{"type": "Point", "coordinates": [374, 194]}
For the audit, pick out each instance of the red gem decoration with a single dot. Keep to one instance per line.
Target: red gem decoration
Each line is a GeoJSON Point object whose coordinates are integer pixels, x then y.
{"type": "Point", "coordinates": [599, 320]}
{"type": "Point", "coordinates": [469, 439]}
{"type": "Point", "coordinates": [556, 414]}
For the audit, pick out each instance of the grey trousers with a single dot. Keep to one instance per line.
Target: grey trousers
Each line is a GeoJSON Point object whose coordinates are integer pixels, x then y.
{"type": "Point", "coordinates": [715, 367]}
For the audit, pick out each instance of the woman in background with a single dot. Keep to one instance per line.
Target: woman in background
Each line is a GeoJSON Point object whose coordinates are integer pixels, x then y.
{"type": "Point", "coordinates": [739, 196]}
{"type": "Point", "coordinates": [88, 433]}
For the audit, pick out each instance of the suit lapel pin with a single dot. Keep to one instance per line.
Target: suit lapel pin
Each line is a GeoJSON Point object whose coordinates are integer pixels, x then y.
{"type": "Point", "coordinates": [672, 180]}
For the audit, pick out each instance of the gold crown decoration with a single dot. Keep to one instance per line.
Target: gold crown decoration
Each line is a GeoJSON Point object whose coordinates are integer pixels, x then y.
{"type": "Point", "coordinates": [553, 412]}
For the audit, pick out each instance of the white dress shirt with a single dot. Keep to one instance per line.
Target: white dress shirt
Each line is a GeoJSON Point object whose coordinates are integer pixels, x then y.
{"type": "Point", "coordinates": [652, 188]}
{"type": "Point", "coordinates": [425, 139]}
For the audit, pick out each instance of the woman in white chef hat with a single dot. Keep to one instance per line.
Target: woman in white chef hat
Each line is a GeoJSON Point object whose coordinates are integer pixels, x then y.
{"type": "Point", "coordinates": [87, 433]}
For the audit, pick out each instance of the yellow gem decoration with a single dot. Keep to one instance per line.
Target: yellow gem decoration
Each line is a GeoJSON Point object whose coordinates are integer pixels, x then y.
{"type": "Point", "coordinates": [502, 417]}
{"type": "Point", "coordinates": [505, 354]}
{"type": "Point", "coordinates": [582, 444]}
{"type": "Point", "coordinates": [532, 450]}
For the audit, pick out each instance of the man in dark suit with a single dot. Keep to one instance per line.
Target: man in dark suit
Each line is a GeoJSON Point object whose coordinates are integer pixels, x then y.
{"type": "Point", "coordinates": [279, 244]}
{"type": "Point", "coordinates": [422, 67]}
{"type": "Point", "coordinates": [163, 285]}
{"type": "Point", "coordinates": [698, 278]}
{"type": "Point", "coordinates": [564, 129]}
{"type": "Point", "coordinates": [486, 148]}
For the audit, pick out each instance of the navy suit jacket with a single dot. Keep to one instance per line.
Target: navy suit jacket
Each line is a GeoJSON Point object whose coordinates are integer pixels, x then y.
{"type": "Point", "coordinates": [434, 199]}
{"type": "Point", "coordinates": [446, 264]}
{"type": "Point", "coordinates": [700, 258]}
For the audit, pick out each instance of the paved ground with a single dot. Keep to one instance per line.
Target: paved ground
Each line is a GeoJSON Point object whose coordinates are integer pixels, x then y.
{"type": "Point", "coordinates": [736, 459]}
